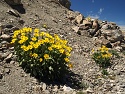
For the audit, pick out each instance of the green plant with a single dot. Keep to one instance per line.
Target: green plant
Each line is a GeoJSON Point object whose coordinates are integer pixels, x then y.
{"type": "Point", "coordinates": [80, 92]}
{"type": "Point", "coordinates": [104, 72]}
{"type": "Point", "coordinates": [102, 56]}
{"type": "Point", "coordinates": [114, 53]}
{"type": "Point", "coordinates": [41, 54]}
{"type": "Point", "coordinates": [83, 85]}
{"type": "Point", "coordinates": [123, 52]}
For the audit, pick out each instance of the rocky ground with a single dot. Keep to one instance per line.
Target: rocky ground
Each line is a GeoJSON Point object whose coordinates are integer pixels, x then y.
{"type": "Point", "coordinates": [83, 35]}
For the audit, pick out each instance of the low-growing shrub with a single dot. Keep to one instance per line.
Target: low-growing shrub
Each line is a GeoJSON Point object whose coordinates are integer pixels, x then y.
{"type": "Point", "coordinates": [41, 54]}
{"type": "Point", "coordinates": [114, 53]}
{"type": "Point", "coordinates": [102, 56]}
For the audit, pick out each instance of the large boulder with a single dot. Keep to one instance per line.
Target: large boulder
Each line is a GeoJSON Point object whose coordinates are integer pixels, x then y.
{"type": "Point", "coordinates": [71, 15]}
{"type": "Point", "coordinates": [65, 3]}
{"type": "Point", "coordinates": [87, 23]}
{"type": "Point", "coordinates": [113, 35]}
{"type": "Point", "coordinates": [79, 19]}
{"type": "Point", "coordinates": [13, 2]}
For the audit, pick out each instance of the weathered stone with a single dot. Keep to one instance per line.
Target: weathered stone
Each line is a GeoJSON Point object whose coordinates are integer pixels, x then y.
{"type": "Point", "coordinates": [44, 86]}
{"type": "Point", "coordinates": [7, 70]}
{"type": "Point", "coordinates": [8, 58]}
{"type": "Point", "coordinates": [43, 29]}
{"type": "Point", "coordinates": [97, 33]}
{"type": "Point", "coordinates": [113, 35]}
{"type": "Point", "coordinates": [1, 74]}
{"type": "Point", "coordinates": [89, 90]}
{"type": "Point", "coordinates": [116, 36]}
{"type": "Point", "coordinates": [123, 46]}
{"type": "Point", "coordinates": [118, 48]}
{"type": "Point", "coordinates": [5, 37]}
{"type": "Point", "coordinates": [105, 27]}
{"type": "Point", "coordinates": [105, 41]}
{"type": "Point", "coordinates": [95, 24]}
{"type": "Point", "coordinates": [75, 28]}
{"type": "Point", "coordinates": [14, 13]}
{"type": "Point", "coordinates": [67, 89]}
{"type": "Point", "coordinates": [3, 55]}
{"type": "Point", "coordinates": [12, 62]}
{"type": "Point", "coordinates": [118, 43]}
{"type": "Point", "coordinates": [71, 15]}
{"type": "Point", "coordinates": [79, 19]}
{"type": "Point", "coordinates": [55, 88]}
{"type": "Point", "coordinates": [65, 3]}
{"type": "Point", "coordinates": [10, 45]}
{"type": "Point", "coordinates": [83, 27]}
{"type": "Point", "coordinates": [87, 23]}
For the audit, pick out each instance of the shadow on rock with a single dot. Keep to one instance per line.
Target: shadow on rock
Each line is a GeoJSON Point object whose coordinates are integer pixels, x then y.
{"type": "Point", "coordinates": [19, 8]}
{"type": "Point", "coordinates": [71, 80]}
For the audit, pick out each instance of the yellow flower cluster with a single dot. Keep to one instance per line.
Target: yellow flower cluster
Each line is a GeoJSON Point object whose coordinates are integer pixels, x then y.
{"type": "Point", "coordinates": [30, 39]}
{"type": "Point", "coordinates": [105, 52]}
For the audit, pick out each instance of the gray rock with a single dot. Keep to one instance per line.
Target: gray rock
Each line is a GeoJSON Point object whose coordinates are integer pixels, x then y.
{"type": "Point", "coordinates": [65, 3]}
{"type": "Point", "coordinates": [3, 55]}
{"type": "Point", "coordinates": [12, 12]}
{"type": "Point", "coordinates": [83, 27]}
{"type": "Point", "coordinates": [75, 28]}
{"type": "Point", "coordinates": [89, 90]}
{"type": "Point", "coordinates": [1, 74]}
{"type": "Point", "coordinates": [67, 89]}
{"type": "Point", "coordinates": [5, 37]}
{"type": "Point", "coordinates": [105, 27]}
{"type": "Point", "coordinates": [113, 35]}
{"type": "Point", "coordinates": [87, 23]}
{"type": "Point", "coordinates": [79, 19]}
{"type": "Point", "coordinates": [55, 88]}
{"type": "Point", "coordinates": [12, 62]}
{"type": "Point", "coordinates": [43, 29]}
{"type": "Point", "coordinates": [7, 70]}
{"type": "Point", "coordinates": [116, 36]}
{"type": "Point", "coordinates": [8, 58]}
{"type": "Point", "coordinates": [72, 15]}
{"type": "Point", "coordinates": [43, 86]}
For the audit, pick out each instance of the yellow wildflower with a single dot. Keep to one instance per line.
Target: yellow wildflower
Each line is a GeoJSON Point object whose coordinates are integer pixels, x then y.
{"type": "Point", "coordinates": [31, 43]}
{"type": "Point", "coordinates": [68, 49]}
{"type": "Point", "coordinates": [40, 59]}
{"type": "Point", "coordinates": [46, 40]}
{"type": "Point", "coordinates": [34, 39]}
{"type": "Point", "coordinates": [70, 65]}
{"type": "Point", "coordinates": [36, 34]}
{"type": "Point", "coordinates": [26, 49]}
{"type": "Point", "coordinates": [30, 47]}
{"type": "Point", "coordinates": [46, 56]}
{"type": "Point", "coordinates": [65, 41]}
{"type": "Point", "coordinates": [34, 55]}
{"type": "Point", "coordinates": [13, 40]}
{"type": "Point", "coordinates": [66, 59]}
{"type": "Point", "coordinates": [45, 26]}
{"type": "Point", "coordinates": [41, 41]}
{"type": "Point", "coordinates": [21, 42]}
{"type": "Point", "coordinates": [50, 48]}
{"type": "Point", "coordinates": [36, 30]}
{"type": "Point", "coordinates": [35, 45]}
{"type": "Point", "coordinates": [42, 33]}
{"type": "Point", "coordinates": [93, 50]}
{"type": "Point", "coordinates": [61, 50]}
{"type": "Point", "coordinates": [51, 40]}
{"type": "Point", "coordinates": [67, 53]}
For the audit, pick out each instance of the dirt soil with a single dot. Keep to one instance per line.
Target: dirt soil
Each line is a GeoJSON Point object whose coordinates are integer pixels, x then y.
{"type": "Point", "coordinates": [35, 13]}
